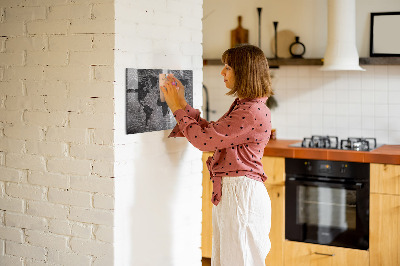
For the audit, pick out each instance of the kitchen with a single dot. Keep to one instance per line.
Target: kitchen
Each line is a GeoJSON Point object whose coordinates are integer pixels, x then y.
{"type": "Point", "coordinates": [313, 104]}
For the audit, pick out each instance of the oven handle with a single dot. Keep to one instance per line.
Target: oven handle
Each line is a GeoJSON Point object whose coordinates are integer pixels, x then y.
{"type": "Point", "coordinates": [357, 185]}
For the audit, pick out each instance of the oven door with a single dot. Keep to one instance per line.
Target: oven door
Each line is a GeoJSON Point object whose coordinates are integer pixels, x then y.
{"type": "Point", "coordinates": [327, 213]}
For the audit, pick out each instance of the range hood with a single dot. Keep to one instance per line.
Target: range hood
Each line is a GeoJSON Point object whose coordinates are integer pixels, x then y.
{"type": "Point", "coordinates": [341, 51]}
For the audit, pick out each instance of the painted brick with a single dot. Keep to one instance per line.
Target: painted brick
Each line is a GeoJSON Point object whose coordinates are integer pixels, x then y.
{"type": "Point", "coordinates": [46, 88]}
{"type": "Point", "coordinates": [46, 118]}
{"type": "Point", "coordinates": [25, 191]}
{"type": "Point", "coordinates": [12, 145]}
{"type": "Point", "coordinates": [11, 260]}
{"type": "Point", "coordinates": [71, 43]}
{"type": "Point", "coordinates": [70, 12]}
{"type": "Point", "coordinates": [46, 209]}
{"type": "Point", "coordinates": [11, 29]}
{"type": "Point", "coordinates": [3, 44]}
{"type": "Point", "coordinates": [190, 48]}
{"type": "Point", "coordinates": [46, 148]}
{"type": "Point", "coordinates": [103, 11]}
{"type": "Point", "coordinates": [68, 258]}
{"type": "Point", "coordinates": [2, 192]}
{"type": "Point", "coordinates": [26, 161]}
{"type": "Point", "coordinates": [91, 58]}
{"type": "Point", "coordinates": [95, 216]}
{"type": "Point", "coordinates": [24, 132]}
{"type": "Point", "coordinates": [91, 89]}
{"type": "Point", "coordinates": [48, 179]}
{"type": "Point", "coordinates": [103, 202]}
{"type": "Point", "coordinates": [11, 117]}
{"type": "Point", "coordinates": [25, 250]}
{"type": "Point", "coordinates": [12, 204]}
{"type": "Point", "coordinates": [91, 26]}
{"type": "Point", "coordinates": [98, 120]}
{"type": "Point", "coordinates": [12, 234]}
{"type": "Point", "coordinates": [46, 58]}
{"type": "Point", "coordinates": [25, 221]}
{"type": "Point", "coordinates": [104, 233]}
{"type": "Point", "coordinates": [21, 43]}
{"type": "Point", "coordinates": [104, 73]}
{"type": "Point", "coordinates": [11, 59]}
{"type": "Point", "coordinates": [104, 169]}
{"type": "Point", "coordinates": [81, 73]}
{"type": "Point", "coordinates": [24, 73]}
{"type": "Point", "coordinates": [91, 247]}
{"type": "Point", "coordinates": [46, 2]}
{"type": "Point", "coordinates": [82, 230]}
{"type": "Point", "coordinates": [70, 166]}
{"type": "Point", "coordinates": [69, 197]}
{"type": "Point", "coordinates": [24, 13]}
{"type": "Point", "coordinates": [97, 105]}
{"type": "Point", "coordinates": [93, 184]}
{"type": "Point", "coordinates": [60, 227]}
{"type": "Point", "coordinates": [56, 103]}
{"type": "Point", "coordinates": [32, 262]}
{"type": "Point", "coordinates": [2, 221]}
{"type": "Point", "coordinates": [92, 151]}
{"type": "Point", "coordinates": [47, 240]}
{"type": "Point", "coordinates": [11, 88]}
{"type": "Point", "coordinates": [101, 136]}
{"type": "Point", "coordinates": [105, 260]}
{"type": "Point", "coordinates": [44, 27]}
{"type": "Point", "coordinates": [74, 135]}
{"type": "Point", "coordinates": [25, 103]}
{"type": "Point", "coordinates": [103, 41]}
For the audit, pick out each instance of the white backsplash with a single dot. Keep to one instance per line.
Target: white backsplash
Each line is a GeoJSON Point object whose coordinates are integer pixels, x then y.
{"type": "Point", "coordinates": [314, 102]}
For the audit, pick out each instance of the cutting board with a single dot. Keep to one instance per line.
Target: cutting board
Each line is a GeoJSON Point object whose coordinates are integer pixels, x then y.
{"type": "Point", "coordinates": [239, 35]}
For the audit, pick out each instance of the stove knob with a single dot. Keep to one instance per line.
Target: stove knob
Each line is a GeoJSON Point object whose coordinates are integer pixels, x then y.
{"type": "Point", "coordinates": [343, 168]}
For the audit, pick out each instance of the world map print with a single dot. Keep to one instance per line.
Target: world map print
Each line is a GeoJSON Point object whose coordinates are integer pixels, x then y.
{"type": "Point", "coordinates": [145, 112]}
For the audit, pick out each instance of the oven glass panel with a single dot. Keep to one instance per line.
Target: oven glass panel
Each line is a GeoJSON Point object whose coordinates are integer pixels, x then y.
{"type": "Point", "coordinates": [326, 207]}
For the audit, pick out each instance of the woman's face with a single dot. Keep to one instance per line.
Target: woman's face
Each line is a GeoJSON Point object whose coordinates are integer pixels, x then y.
{"type": "Point", "coordinates": [229, 76]}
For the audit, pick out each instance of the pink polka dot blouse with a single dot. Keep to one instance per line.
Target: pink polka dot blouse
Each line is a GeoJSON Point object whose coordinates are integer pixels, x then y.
{"type": "Point", "coordinates": [238, 139]}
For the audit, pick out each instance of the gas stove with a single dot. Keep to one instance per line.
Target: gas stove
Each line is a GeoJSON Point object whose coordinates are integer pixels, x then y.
{"type": "Point", "coordinates": [332, 142]}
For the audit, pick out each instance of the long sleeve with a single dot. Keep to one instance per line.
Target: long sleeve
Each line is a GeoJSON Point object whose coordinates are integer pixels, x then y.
{"type": "Point", "coordinates": [231, 130]}
{"type": "Point", "coordinates": [193, 113]}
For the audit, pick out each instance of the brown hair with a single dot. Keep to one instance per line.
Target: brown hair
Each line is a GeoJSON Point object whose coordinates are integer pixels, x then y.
{"type": "Point", "coordinates": [250, 66]}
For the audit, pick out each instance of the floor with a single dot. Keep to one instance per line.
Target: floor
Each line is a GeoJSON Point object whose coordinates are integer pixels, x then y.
{"type": "Point", "coordinates": [206, 261]}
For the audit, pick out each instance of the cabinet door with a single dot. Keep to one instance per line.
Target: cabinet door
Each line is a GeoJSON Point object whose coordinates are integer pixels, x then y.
{"type": "Point", "coordinates": [385, 178]}
{"type": "Point", "coordinates": [274, 168]}
{"type": "Point", "coordinates": [384, 229]}
{"type": "Point", "coordinates": [304, 254]}
{"type": "Point", "coordinates": [277, 233]}
{"type": "Point", "coordinates": [206, 226]}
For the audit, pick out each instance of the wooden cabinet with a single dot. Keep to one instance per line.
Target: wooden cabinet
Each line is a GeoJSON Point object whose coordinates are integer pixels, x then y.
{"type": "Point", "coordinates": [206, 226]}
{"type": "Point", "coordinates": [385, 215]}
{"type": "Point", "coordinates": [385, 178]}
{"type": "Point", "coordinates": [304, 254]}
{"type": "Point", "coordinates": [274, 168]}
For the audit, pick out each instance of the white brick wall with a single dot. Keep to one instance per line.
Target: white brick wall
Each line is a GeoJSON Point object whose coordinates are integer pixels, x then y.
{"type": "Point", "coordinates": [156, 178]}
{"type": "Point", "coordinates": [56, 132]}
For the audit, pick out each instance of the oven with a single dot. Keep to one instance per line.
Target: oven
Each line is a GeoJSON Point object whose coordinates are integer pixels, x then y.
{"type": "Point", "coordinates": [327, 202]}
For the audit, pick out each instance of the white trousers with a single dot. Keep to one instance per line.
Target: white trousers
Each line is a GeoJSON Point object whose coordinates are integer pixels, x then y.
{"type": "Point", "coordinates": [241, 223]}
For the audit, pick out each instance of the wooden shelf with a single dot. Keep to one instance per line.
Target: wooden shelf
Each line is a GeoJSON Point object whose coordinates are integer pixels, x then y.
{"type": "Point", "coordinates": [380, 61]}
{"type": "Point", "coordinates": [274, 63]}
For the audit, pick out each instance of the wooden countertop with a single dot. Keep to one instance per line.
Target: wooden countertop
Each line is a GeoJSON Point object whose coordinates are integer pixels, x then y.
{"type": "Point", "coordinates": [389, 154]}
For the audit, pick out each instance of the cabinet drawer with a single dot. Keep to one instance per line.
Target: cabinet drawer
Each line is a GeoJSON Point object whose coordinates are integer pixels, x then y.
{"type": "Point", "coordinates": [304, 254]}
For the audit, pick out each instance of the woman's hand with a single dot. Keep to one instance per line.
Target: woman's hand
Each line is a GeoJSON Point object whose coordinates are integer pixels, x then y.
{"type": "Point", "coordinates": [181, 90]}
{"type": "Point", "coordinates": [173, 94]}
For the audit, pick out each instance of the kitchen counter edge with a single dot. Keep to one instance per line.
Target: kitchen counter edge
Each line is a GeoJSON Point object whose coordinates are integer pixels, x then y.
{"type": "Point", "coordinates": [385, 154]}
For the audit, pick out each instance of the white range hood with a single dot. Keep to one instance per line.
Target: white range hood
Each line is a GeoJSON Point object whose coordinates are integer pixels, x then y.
{"type": "Point", "coordinates": [341, 51]}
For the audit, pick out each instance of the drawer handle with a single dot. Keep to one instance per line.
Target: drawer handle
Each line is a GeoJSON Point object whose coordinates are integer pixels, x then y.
{"type": "Point", "coordinates": [324, 254]}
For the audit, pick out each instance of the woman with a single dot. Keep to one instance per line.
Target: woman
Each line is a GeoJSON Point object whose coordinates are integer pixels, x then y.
{"type": "Point", "coordinates": [242, 208]}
